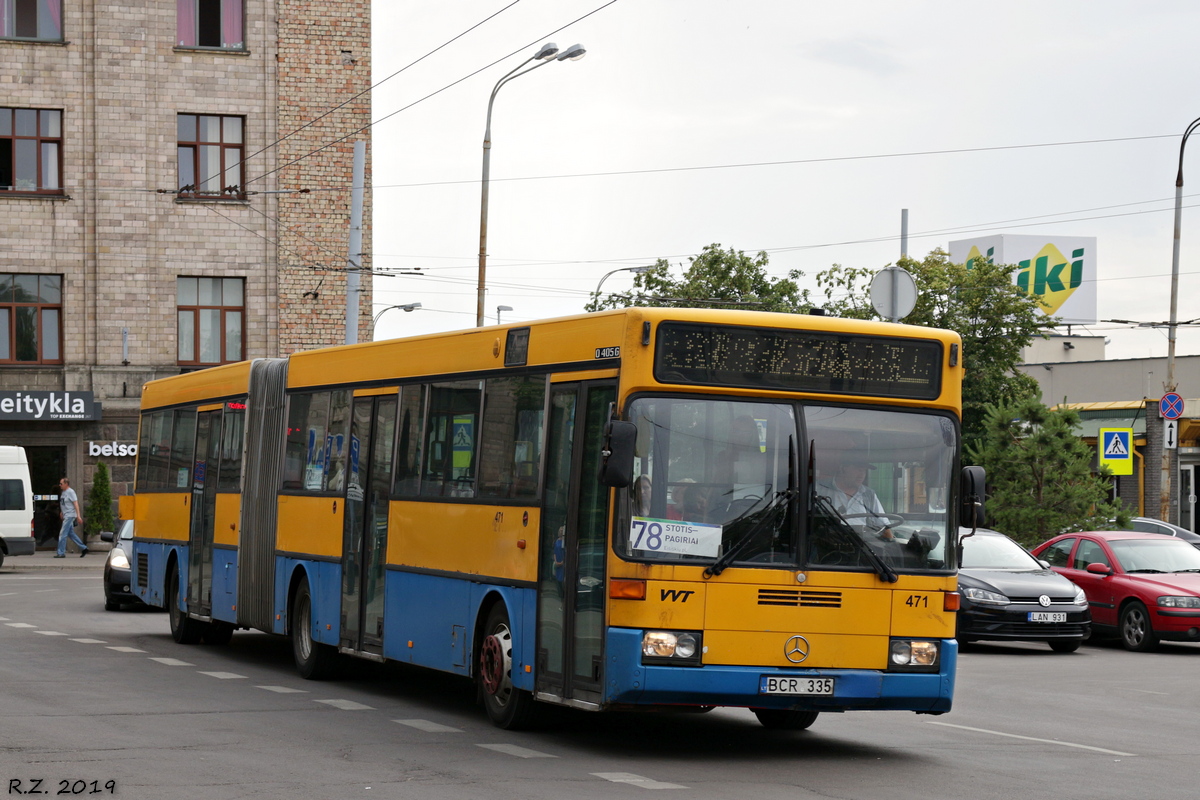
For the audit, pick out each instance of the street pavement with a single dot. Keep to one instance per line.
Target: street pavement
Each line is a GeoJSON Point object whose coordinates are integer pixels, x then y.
{"type": "Point", "coordinates": [45, 560]}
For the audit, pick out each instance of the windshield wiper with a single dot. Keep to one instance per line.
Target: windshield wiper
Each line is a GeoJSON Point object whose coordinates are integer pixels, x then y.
{"type": "Point", "coordinates": [1187, 570]}
{"type": "Point", "coordinates": [1159, 571]}
{"type": "Point", "coordinates": [885, 572]}
{"type": "Point", "coordinates": [769, 514]}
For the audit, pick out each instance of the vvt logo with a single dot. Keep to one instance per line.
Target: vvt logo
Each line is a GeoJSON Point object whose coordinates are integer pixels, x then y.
{"type": "Point", "coordinates": [676, 595]}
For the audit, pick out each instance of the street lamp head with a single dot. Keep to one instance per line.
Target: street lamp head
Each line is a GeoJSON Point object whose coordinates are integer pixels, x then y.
{"type": "Point", "coordinates": [410, 306]}
{"type": "Point", "coordinates": [572, 53]}
{"type": "Point", "coordinates": [640, 270]}
{"type": "Point", "coordinates": [548, 51]}
{"type": "Point", "coordinates": [504, 308]}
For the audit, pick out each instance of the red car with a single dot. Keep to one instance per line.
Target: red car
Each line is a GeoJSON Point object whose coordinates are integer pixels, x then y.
{"type": "Point", "coordinates": [1142, 587]}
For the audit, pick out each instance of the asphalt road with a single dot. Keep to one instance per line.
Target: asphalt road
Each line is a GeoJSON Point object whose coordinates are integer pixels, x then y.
{"type": "Point", "coordinates": [89, 697]}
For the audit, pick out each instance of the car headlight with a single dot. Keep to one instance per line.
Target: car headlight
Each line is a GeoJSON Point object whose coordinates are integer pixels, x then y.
{"type": "Point", "coordinates": [117, 558]}
{"type": "Point", "coordinates": [1179, 602]}
{"type": "Point", "coordinates": [913, 654]}
{"type": "Point", "coordinates": [983, 596]}
{"type": "Point", "coordinates": [681, 648]}
{"type": "Point", "coordinates": [1080, 597]}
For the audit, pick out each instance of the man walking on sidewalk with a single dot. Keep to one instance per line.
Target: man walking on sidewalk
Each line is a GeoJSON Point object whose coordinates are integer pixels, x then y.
{"type": "Point", "coordinates": [68, 504]}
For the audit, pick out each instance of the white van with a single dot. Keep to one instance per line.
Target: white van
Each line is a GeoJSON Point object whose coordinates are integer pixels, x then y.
{"type": "Point", "coordinates": [16, 504]}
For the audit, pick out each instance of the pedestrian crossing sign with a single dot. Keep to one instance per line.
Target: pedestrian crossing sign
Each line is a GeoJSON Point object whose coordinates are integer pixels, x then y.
{"type": "Point", "coordinates": [1116, 450]}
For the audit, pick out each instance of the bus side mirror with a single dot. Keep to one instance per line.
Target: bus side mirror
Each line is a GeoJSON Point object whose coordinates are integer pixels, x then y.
{"type": "Point", "coordinates": [616, 457]}
{"type": "Point", "coordinates": [974, 489]}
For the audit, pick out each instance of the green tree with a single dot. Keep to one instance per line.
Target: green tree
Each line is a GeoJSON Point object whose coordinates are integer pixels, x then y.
{"type": "Point", "coordinates": [715, 278]}
{"type": "Point", "coordinates": [1040, 481]}
{"type": "Point", "coordinates": [99, 516]}
{"type": "Point", "coordinates": [995, 318]}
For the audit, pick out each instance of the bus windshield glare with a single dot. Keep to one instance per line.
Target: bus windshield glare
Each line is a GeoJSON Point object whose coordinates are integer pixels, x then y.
{"type": "Point", "coordinates": [727, 482]}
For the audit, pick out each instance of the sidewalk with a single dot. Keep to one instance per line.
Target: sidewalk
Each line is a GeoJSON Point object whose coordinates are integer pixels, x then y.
{"type": "Point", "coordinates": [45, 560]}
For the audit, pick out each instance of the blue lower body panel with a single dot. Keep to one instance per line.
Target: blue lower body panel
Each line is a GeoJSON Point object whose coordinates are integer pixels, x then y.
{"type": "Point", "coordinates": [627, 681]}
{"type": "Point", "coordinates": [325, 593]}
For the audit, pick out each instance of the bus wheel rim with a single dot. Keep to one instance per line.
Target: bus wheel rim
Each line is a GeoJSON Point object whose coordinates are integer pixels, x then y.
{"type": "Point", "coordinates": [497, 664]}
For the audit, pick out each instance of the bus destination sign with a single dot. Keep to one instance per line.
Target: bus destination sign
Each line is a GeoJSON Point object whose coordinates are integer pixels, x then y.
{"type": "Point", "coordinates": [798, 361]}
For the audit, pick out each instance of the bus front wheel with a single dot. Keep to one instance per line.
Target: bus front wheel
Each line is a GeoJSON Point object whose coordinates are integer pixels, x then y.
{"type": "Point", "coordinates": [507, 706]}
{"type": "Point", "coordinates": [314, 661]}
{"type": "Point", "coordinates": [782, 720]}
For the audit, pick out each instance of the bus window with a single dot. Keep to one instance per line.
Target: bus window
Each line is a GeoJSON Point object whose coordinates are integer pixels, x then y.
{"type": "Point", "coordinates": [308, 426]}
{"type": "Point", "coordinates": [333, 468]}
{"type": "Point", "coordinates": [232, 428]}
{"type": "Point", "coordinates": [154, 451]}
{"type": "Point", "coordinates": [452, 439]}
{"type": "Point", "coordinates": [408, 449]}
{"type": "Point", "coordinates": [510, 451]}
{"type": "Point", "coordinates": [183, 448]}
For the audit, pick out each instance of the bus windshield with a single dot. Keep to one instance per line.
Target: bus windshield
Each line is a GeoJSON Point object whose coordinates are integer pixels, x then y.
{"type": "Point", "coordinates": [721, 482]}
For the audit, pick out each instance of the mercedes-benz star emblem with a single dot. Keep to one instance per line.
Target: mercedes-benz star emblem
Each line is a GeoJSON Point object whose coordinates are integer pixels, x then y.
{"type": "Point", "coordinates": [1043, 601]}
{"type": "Point", "coordinates": [795, 649]}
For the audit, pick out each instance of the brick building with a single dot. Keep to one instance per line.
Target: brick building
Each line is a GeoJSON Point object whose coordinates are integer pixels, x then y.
{"type": "Point", "coordinates": [151, 218]}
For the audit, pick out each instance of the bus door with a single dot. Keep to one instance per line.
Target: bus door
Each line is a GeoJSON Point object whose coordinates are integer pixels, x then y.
{"type": "Point", "coordinates": [204, 507]}
{"type": "Point", "coordinates": [364, 542]}
{"type": "Point", "coordinates": [574, 545]}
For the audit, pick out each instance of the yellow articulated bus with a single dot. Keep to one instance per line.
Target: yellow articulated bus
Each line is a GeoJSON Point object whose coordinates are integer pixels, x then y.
{"type": "Point", "coordinates": [670, 508]}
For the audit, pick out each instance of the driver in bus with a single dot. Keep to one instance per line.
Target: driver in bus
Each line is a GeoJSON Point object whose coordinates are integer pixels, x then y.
{"type": "Point", "coordinates": [849, 494]}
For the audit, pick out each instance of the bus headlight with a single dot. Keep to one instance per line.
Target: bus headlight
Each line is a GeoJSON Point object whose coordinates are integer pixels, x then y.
{"type": "Point", "coordinates": [913, 654]}
{"type": "Point", "coordinates": [679, 648]}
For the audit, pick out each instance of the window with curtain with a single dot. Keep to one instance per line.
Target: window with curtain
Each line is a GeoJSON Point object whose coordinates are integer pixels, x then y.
{"type": "Point", "coordinates": [39, 20]}
{"type": "Point", "coordinates": [30, 150]}
{"type": "Point", "coordinates": [30, 319]}
{"type": "Point", "coordinates": [210, 156]}
{"type": "Point", "coordinates": [216, 24]}
{"type": "Point", "coordinates": [211, 314]}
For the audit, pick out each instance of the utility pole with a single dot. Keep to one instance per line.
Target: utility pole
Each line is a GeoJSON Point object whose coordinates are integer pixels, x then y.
{"type": "Point", "coordinates": [354, 260]}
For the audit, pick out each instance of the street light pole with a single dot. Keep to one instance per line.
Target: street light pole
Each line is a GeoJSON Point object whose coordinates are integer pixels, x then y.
{"type": "Point", "coordinates": [1165, 483]}
{"type": "Point", "coordinates": [635, 270]}
{"type": "Point", "coordinates": [403, 306]}
{"type": "Point", "coordinates": [546, 54]}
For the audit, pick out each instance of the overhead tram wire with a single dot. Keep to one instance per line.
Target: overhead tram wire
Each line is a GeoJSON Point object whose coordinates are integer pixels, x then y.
{"type": "Point", "coordinates": [431, 94]}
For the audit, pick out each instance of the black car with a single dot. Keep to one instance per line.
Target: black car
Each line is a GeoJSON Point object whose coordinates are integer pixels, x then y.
{"type": "Point", "coordinates": [116, 567]}
{"type": "Point", "coordinates": [1008, 595]}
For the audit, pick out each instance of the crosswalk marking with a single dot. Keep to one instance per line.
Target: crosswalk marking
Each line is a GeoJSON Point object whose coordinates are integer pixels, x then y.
{"type": "Point", "coordinates": [225, 676]}
{"type": "Point", "coordinates": [513, 750]}
{"type": "Point", "coordinates": [20, 625]}
{"type": "Point", "coordinates": [426, 725]}
{"type": "Point", "coordinates": [52, 633]}
{"type": "Point", "coordinates": [172, 662]}
{"type": "Point", "coordinates": [636, 780]}
{"type": "Point", "coordinates": [283, 689]}
{"type": "Point", "coordinates": [346, 705]}
{"type": "Point", "coordinates": [126, 649]}
{"type": "Point", "coordinates": [90, 641]}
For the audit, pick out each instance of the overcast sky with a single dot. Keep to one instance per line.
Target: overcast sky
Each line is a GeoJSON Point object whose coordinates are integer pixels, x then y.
{"type": "Point", "coordinates": [669, 134]}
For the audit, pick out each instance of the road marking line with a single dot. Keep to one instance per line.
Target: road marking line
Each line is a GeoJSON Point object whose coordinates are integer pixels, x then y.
{"type": "Point", "coordinates": [90, 641]}
{"type": "Point", "coordinates": [126, 649]}
{"type": "Point", "coordinates": [346, 705]}
{"type": "Point", "coordinates": [223, 675]}
{"type": "Point", "coordinates": [20, 625]}
{"type": "Point", "coordinates": [172, 662]}
{"type": "Point", "coordinates": [6, 594]}
{"type": "Point", "coordinates": [1034, 739]}
{"type": "Point", "coordinates": [52, 633]}
{"type": "Point", "coordinates": [426, 725]}
{"type": "Point", "coordinates": [636, 780]}
{"type": "Point", "coordinates": [513, 750]}
{"type": "Point", "coordinates": [283, 689]}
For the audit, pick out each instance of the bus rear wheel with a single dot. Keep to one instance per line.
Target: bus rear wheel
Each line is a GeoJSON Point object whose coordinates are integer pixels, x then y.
{"type": "Point", "coordinates": [507, 706]}
{"type": "Point", "coordinates": [184, 629]}
{"type": "Point", "coordinates": [775, 719]}
{"type": "Point", "coordinates": [314, 661]}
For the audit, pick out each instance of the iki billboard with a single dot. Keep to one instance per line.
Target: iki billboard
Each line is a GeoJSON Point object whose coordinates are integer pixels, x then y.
{"type": "Point", "coordinates": [1062, 269]}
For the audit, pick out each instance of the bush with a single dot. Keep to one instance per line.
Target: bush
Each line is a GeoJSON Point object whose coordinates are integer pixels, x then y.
{"type": "Point", "coordinates": [98, 516]}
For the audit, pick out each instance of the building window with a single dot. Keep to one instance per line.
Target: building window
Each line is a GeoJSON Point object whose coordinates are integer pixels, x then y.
{"type": "Point", "coordinates": [30, 319]}
{"type": "Point", "coordinates": [209, 23]}
{"type": "Point", "coordinates": [31, 19]}
{"type": "Point", "coordinates": [30, 150]}
{"type": "Point", "coordinates": [211, 314]}
{"type": "Point", "coordinates": [210, 156]}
